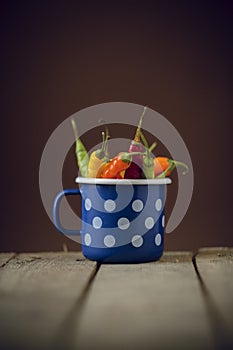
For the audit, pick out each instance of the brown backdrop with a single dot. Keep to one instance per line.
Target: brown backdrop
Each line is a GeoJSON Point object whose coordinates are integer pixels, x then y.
{"type": "Point", "coordinates": [58, 58]}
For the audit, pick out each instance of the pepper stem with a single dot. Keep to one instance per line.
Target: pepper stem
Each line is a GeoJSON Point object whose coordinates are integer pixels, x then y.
{"type": "Point", "coordinates": [176, 163]}
{"type": "Point", "coordinates": [103, 139]}
{"type": "Point", "coordinates": [101, 153]}
{"type": "Point", "coordinates": [154, 144]}
{"type": "Point", "coordinates": [127, 157]}
{"type": "Point", "coordinates": [165, 172]}
{"type": "Point", "coordinates": [137, 135]}
{"type": "Point", "coordinates": [144, 139]}
{"type": "Point", "coordinates": [106, 141]}
{"type": "Point", "coordinates": [134, 153]}
{"type": "Point", "coordinates": [172, 166]}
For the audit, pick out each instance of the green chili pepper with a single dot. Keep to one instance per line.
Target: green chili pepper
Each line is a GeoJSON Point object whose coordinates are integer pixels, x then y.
{"type": "Point", "coordinates": [148, 167]}
{"type": "Point", "coordinates": [148, 159]}
{"type": "Point", "coordinates": [81, 152]}
{"type": "Point", "coordinates": [148, 163]}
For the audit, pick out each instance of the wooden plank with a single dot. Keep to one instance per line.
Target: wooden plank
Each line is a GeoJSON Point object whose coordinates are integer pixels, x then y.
{"type": "Point", "coordinates": [145, 306]}
{"type": "Point", "coordinates": [5, 257]}
{"type": "Point", "coordinates": [39, 293]}
{"type": "Point", "coordinates": [215, 266]}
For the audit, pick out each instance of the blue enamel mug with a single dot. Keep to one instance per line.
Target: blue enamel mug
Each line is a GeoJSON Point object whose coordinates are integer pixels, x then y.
{"type": "Point", "coordinates": [122, 219]}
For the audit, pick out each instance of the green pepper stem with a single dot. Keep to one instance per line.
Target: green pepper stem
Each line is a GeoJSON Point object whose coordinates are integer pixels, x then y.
{"type": "Point", "coordinates": [103, 139]}
{"type": "Point", "coordinates": [134, 153]}
{"type": "Point", "coordinates": [176, 163]}
{"type": "Point", "coordinates": [172, 166]}
{"type": "Point", "coordinates": [106, 141]}
{"type": "Point", "coordinates": [164, 173]}
{"type": "Point", "coordinates": [137, 135]}
{"type": "Point", "coordinates": [152, 146]}
{"type": "Point", "coordinates": [127, 157]}
{"type": "Point", "coordinates": [144, 139]}
{"type": "Point", "coordinates": [100, 152]}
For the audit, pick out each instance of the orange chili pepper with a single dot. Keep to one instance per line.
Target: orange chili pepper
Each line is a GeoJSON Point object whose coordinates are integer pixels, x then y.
{"type": "Point", "coordinates": [164, 166]}
{"type": "Point", "coordinates": [119, 163]}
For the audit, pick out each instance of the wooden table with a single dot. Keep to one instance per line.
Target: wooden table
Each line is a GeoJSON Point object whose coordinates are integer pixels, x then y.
{"type": "Point", "coordinates": [62, 301]}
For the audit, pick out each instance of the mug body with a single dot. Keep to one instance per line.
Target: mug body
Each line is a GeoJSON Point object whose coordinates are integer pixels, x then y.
{"type": "Point", "coordinates": [123, 220]}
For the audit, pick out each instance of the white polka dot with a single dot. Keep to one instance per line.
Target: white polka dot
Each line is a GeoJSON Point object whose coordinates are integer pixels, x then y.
{"type": "Point", "coordinates": [87, 239]}
{"type": "Point", "coordinates": [137, 205]}
{"type": "Point", "coordinates": [149, 222]}
{"type": "Point", "coordinates": [137, 241]}
{"type": "Point", "coordinates": [88, 204]}
{"type": "Point", "coordinates": [123, 223]}
{"type": "Point", "coordinates": [109, 241]}
{"type": "Point", "coordinates": [109, 205]}
{"type": "Point", "coordinates": [97, 222]}
{"type": "Point", "coordinates": [163, 220]}
{"type": "Point", "coordinates": [158, 239]}
{"type": "Point", "coordinates": [158, 204]}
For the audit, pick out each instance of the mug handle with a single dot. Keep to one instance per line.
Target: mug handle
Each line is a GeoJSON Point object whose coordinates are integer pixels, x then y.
{"type": "Point", "coordinates": [56, 215]}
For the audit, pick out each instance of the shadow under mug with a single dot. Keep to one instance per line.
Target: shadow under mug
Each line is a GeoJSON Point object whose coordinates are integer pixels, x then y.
{"type": "Point", "coordinates": [122, 220]}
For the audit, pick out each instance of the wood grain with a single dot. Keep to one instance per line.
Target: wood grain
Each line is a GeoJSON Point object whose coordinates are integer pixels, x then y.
{"type": "Point", "coordinates": [62, 301]}
{"type": "Point", "coordinates": [38, 292]}
{"type": "Point", "coordinates": [215, 267]}
{"type": "Point", "coordinates": [146, 306]}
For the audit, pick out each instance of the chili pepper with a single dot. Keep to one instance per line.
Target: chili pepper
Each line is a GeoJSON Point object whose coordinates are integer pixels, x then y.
{"type": "Point", "coordinates": [134, 171]}
{"type": "Point", "coordinates": [118, 164]}
{"type": "Point", "coordinates": [119, 176]}
{"type": "Point", "coordinates": [101, 168]}
{"type": "Point", "coordinates": [148, 163]}
{"type": "Point", "coordinates": [122, 173]}
{"type": "Point", "coordinates": [148, 167]}
{"type": "Point", "coordinates": [97, 157]}
{"type": "Point", "coordinates": [81, 152]}
{"type": "Point", "coordinates": [164, 166]}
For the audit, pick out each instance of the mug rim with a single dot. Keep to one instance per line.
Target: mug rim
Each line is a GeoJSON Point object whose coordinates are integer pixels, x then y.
{"type": "Point", "coordinates": [100, 181]}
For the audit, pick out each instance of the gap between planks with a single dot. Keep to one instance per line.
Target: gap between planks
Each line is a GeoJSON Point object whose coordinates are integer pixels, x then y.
{"type": "Point", "coordinates": [5, 258]}
{"type": "Point", "coordinates": [145, 306]}
{"type": "Point", "coordinates": [68, 327]}
{"type": "Point", "coordinates": [38, 292]}
{"type": "Point", "coordinates": [219, 331]}
{"type": "Point", "coordinates": [214, 268]}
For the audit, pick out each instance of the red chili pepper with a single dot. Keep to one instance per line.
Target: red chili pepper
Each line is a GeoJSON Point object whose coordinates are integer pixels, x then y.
{"type": "Point", "coordinates": [134, 171]}
{"type": "Point", "coordinates": [119, 163]}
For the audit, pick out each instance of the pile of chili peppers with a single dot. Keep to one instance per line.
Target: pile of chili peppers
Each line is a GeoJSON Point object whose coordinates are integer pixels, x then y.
{"type": "Point", "coordinates": [138, 163]}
